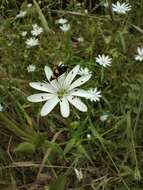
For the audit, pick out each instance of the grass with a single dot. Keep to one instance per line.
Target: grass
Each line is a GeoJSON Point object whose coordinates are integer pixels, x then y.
{"type": "Point", "coordinates": [41, 152]}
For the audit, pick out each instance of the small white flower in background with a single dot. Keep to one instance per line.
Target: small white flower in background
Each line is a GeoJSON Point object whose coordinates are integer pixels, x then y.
{"type": "Point", "coordinates": [21, 14]}
{"type": "Point", "coordinates": [94, 95]}
{"type": "Point", "coordinates": [62, 90]}
{"type": "Point", "coordinates": [31, 42]}
{"type": "Point", "coordinates": [88, 136]}
{"type": "Point", "coordinates": [86, 11]}
{"type": "Point", "coordinates": [78, 4]}
{"type": "Point", "coordinates": [104, 117]}
{"type": "Point", "coordinates": [79, 174]}
{"type": "Point", "coordinates": [65, 27]}
{"type": "Point", "coordinates": [84, 71]}
{"type": "Point", "coordinates": [1, 107]}
{"type": "Point", "coordinates": [106, 4]}
{"type": "Point", "coordinates": [37, 30]}
{"type": "Point", "coordinates": [62, 21]}
{"type": "Point", "coordinates": [103, 60]}
{"type": "Point", "coordinates": [24, 33]}
{"type": "Point", "coordinates": [121, 8]}
{"type": "Point", "coordinates": [80, 39]}
{"type": "Point", "coordinates": [139, 56]}
{"type": "Point", "coordinates": [31, 68]}
{"type": "Point", "coordinates": [29, 5]}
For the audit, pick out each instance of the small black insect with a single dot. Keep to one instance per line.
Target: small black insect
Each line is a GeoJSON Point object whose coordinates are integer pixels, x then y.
{"type": "Point", "coordinates": [58, 71]}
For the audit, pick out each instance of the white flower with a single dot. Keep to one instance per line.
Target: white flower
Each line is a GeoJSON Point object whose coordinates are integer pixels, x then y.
{"type": "Point", "coordinates": [106, 4]}
{"type": "Point", "coordinates": [31, 68]}
{"type": "Point", "coordinates": [88, 136]}
{"type": "Point", "coordinates": [86, 11]}
{"type": "Point", "coordinates": [29, 5]}
{"type": "Point", "coordinates": [79, 174]}
{"type": "Point", "coordinates": [65, 27]}
{"type": "Point", "coordinates": [62, 21]}
{"type": "Point", "coordinates": [62, 90]}
{"type": "Point", "coordinates": [24, 33]}
{"type": "Point", "coordinates": [139, 56]}
{"type": "Point", "coordinates": [78, 4]}
{"type": "Point", "coordinates": [31, 42]}
{"type": "Point", "coordinates": [84, 71]}
{"type": "Point", "coordinates": [1, 107]}
{"type": "Point", "coordinates": [36, 30]}
{"type": "Point", "coordinates": [21, 14]}
{"type": "Point", "coordinates": [103, 60]}
{"type": "Point", "coordinates": [80, 39]}
{"type": "Point", "coordinates": [94, 95]}
{"type": "Point", "coordinates": [104, 117]}
{"type": "Point", "coordinates": [121, 8]}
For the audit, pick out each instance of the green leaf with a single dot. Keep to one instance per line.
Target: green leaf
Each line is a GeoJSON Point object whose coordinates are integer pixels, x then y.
{"type": "Point", "coordinates": [83, 151]}
{"type": "Point", "coordinates": [69, 146]}
{"type": "Point", "coordinates": [55, 147]}
{"type": "Point", "coordinates": [42, 17]}
{"type": "Point", "coordinates": [25, 147]}
{"type": "Point", "coordinates": [59, 183]}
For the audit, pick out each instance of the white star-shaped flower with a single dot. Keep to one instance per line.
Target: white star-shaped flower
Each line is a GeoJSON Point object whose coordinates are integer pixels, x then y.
{"type": "Point", "coordinates": [21, 14]}
{"type": "Point", "coordinates": [94, 95]}
{"type": "Point", "coordinates": [29, 5]}
{"type": "Point", "coordinates": [31, 42]}
{"type": "Point", "coordinates": [121, 8]}
{"type": "Point", "coordinates": [84, 71]}
{"type": "Point", "coordinates": [37, 30]}
{"type": "Point", "coordinates": [139, 56]}
{"type": "Point", "coordinates": [24, 33]}
{"type": "Point", "coordinates": [65, 27]}
{"type": "Point", "coordinates": [1, 107]}
{"type": "Point", "coordinates": [79, 174]}
{"type": "Point", "coordinates": [62, 90]}
{"type": "Point", "coordinates": [80, 39]}
{"type": "Point", "coordinates": [103, 60]}
{"type": "Point", "coordinates": [88, 136]}
{"type": "Point", "coordinates": [104, 117]}
{"type": "Point", "coordinates": [62, 21]}
{"type": "Point", "coordinates": [31, 68]}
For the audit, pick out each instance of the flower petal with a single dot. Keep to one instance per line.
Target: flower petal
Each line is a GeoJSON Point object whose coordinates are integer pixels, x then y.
{"type": "Point", "coordinates": [49, 106]}
{"type": "Point", "coordinates": [80, 81]}
{"type": "Point", "coordinates": [48, 72]}
{"type": "Point", "coordinates": [80, 92]}
{"type": "Point", "coordinates": [64, 107]}
{"type": "Point", "coordinates": [61, 80]}
{"type": "Point", "coordinates": [42, 86]}
{"type": "Point", "coordinates": [54, 84]}
{"type": "Point", "coordinates": [39, 97]}
{"type": "Point", "coordinates": [77, 103]}
{"type": "Point", "coordinates": [71, 75]}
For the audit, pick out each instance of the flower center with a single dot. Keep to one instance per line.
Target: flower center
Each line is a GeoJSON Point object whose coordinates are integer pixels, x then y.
{"type": "Point", "coordinates": [62, 93]}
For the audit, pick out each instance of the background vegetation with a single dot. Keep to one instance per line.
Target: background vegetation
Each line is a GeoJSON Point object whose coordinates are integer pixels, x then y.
{"type": "Point", "coordinates": [42, 152]}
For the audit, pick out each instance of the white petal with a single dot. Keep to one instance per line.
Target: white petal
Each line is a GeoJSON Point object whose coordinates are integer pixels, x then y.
{"type": "Point", "coordinates": [80, 81]}
{"type": "Point", "coordinates": [77, 103]}
{"type": "Point", "coordinates": [49, 106]}
{"type": "Point", "coordinates": [64, 107]}
{"type": "Point", "coordinates": [39, 97]}
{"type": "Point", "coordinates": [42, 86]}
{"type": "Point", "coordinates": [54, 84]}
{"type": "Point", "coordinates": [48, 72]}
{"type": "Point", "coordinates": [61, 80]}
{"type": "Point", "coordinates": [80, 92]}
{"type": "Point", "coordinates": [71, 75]}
